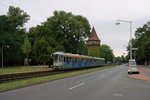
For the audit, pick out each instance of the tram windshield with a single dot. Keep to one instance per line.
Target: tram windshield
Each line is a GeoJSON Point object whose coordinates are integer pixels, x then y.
{"type": "Point", "coordinates": [56, 57]}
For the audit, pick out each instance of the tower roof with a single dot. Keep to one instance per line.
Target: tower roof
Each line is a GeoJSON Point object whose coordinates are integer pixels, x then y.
{"type": "Point", "coordinates": [93, 36]}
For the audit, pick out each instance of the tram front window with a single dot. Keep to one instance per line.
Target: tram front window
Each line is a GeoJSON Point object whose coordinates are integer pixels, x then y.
{"type": "Point", "coordinates": [56, 57]}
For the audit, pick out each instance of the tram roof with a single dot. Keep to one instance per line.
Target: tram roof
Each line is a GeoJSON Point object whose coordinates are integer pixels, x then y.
{"type": "Point", "coordinates": [77, 55]}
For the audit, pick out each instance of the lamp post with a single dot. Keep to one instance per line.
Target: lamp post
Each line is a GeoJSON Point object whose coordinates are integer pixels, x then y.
{"type": "Point", "coordinates": [3, 53]}
{"type": "Point", "coordinates": [130, 22]}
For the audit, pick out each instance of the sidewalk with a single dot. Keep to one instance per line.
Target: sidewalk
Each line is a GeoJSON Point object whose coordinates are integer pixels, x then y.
{"type": "Point", "coordinates": [144, 74]}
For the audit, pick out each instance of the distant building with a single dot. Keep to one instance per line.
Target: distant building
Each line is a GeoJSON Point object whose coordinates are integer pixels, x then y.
{"type": "Point", "coordinates": [93, 44]}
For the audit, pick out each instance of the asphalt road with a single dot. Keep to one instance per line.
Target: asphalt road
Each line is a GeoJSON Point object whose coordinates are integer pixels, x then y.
{"type": "Point", "coordinates": [108, 84]}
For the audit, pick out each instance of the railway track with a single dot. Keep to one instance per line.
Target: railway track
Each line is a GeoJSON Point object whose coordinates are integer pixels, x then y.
{"type": "Point", "coordinates": [19, 76]}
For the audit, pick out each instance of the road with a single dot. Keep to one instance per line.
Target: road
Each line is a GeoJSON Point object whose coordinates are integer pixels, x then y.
{"type": "Point", "coordinates": [108, 84]}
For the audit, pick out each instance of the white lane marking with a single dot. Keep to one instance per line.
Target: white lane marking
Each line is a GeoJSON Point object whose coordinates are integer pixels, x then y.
{"type": "Point", "coordinates": [76, 86]}
{"type": "Point", "coordinates": [117, 95]}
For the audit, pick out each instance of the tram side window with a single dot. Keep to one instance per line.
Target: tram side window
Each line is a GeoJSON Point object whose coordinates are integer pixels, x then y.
{"type": "Point", "coordinates": [68, 59]}
{"type": "Point", "coordinates": [64, 59]}
{"type": "Point", "coordinates": [75, 60]}
{"type": "Point", "coordinates": [90, 60]}
{"type": "Point", "coordinates": [72, 60]}
{"type": "Point", "coordinates": [61, 58]}
{"type": "Point", "coordinates": [79, 60]}
{"type": "Point", "coordinates": [83, 60]}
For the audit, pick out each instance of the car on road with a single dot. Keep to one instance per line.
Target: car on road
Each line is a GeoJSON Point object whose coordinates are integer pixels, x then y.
{"type": "Point", "coordinates": [132, 67]}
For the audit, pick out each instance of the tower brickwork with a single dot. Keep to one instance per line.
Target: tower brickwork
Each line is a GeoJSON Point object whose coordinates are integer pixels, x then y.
{"type": "Point", "coordinates": [93, 44]}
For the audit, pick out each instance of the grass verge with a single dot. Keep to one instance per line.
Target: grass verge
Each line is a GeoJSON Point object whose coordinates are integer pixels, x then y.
{"type": "Point", "coordinates": [23, 69]}
{"type": "Point", "coordinates": [33, 81]}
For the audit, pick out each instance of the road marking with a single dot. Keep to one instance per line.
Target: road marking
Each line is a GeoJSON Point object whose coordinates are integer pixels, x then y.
{"type": "Point", "coordinates": [117, 95]}
{"type": "Point", "coordinates": [76, 86]}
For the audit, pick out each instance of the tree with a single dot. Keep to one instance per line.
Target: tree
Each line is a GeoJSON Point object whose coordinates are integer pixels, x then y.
{"type": "Point", "coordinates": [120, 59]}
{"type": "Point", "coordinates": [17, 17]}
{"type": "Point", "coordinates": [61, 32]}
{"type": "Point", "coordinates": [142, 42]}
{"type": "Point", "coordinates": [26, 48]}
{"type": "Point", "coordinates": [12, 33]}
{"type": "Point", "coordinates": [106, 52]}
{"type": "Point", "coordinates": [43, 49]}
{"type": "Point", "coordinates": [69, 29]}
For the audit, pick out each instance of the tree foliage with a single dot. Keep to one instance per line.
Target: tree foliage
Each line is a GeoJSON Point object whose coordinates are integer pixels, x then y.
{"type": "Point", "coordinates": [106, 52]}
{"type": "Point", "coordinates": [142, 42]}
{"type": "Point", "coordinates": [12, 33]}
{"type": "Point", "coordinates": [17, 17]}
{"type": "Point", "coordinates": [26, 47]}
{"type": "Point", "coordinates": [120, 59]}
{"type": "Point", "coordinates": [68, 29]}
{"type": "Point", "coordinates": [61, 32]}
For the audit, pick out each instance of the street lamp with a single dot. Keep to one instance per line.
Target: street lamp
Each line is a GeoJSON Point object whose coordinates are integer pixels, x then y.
{"type": "Point", "coordinates": [130, 22]}
{"type": "Point", "coordinates": [3, 53]}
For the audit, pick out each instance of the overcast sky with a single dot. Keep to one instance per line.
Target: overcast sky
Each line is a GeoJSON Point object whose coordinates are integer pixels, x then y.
{"type": "Point", "coordinates": [102, 14]}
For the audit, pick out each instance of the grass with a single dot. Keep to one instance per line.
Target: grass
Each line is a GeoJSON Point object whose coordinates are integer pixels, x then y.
{"type": "Point", "coordinates": [37, 80]}
{"type": "Point", "coordinates": [23, 69]}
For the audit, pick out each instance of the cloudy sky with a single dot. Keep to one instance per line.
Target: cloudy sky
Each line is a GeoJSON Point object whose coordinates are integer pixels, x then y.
{"type": "Point", "coordinates": [102, 14]}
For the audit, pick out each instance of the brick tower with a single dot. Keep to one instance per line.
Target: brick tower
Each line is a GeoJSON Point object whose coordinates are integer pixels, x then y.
{"type": "Point", "coordinates": [93, 44]}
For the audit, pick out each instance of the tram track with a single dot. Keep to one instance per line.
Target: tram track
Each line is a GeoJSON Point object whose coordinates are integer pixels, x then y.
{"type": "Point", "coordinates": [19, 76]}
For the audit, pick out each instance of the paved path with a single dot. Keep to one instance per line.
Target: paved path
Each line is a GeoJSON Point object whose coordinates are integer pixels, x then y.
{"type": "Point", "coordinates": [108, 84]}
{"type": "Point", "coordinates": [145, 70]}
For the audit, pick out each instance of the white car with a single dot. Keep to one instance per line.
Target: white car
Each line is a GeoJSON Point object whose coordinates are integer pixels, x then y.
{"type": "Point", "coordinates": [133, 68]}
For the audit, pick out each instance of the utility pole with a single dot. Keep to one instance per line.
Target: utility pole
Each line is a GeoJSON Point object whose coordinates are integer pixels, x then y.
{"type": "Point", "coordinates": [130, 42]}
